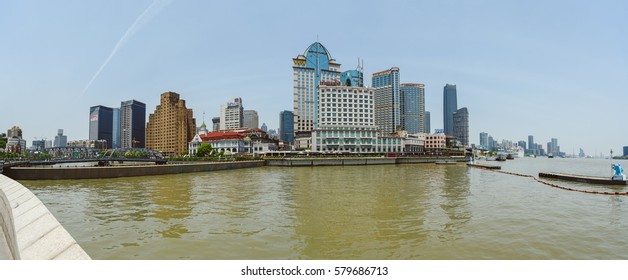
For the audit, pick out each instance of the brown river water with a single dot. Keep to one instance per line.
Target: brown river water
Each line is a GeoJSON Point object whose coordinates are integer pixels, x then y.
{"type": "Point", "coordinates": [414, 211]}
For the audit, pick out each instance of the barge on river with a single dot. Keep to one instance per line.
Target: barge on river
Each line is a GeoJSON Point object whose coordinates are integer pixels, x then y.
{"type": "Point", "coordinates": [583, 179]}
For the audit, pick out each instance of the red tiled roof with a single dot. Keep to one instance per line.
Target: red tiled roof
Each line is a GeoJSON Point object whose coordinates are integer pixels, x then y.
{"type": "Point", "coordinates": [221, 135]}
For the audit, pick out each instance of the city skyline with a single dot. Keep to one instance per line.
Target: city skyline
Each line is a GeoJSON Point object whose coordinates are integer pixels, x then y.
{"type": "Point", "coordinates": [535, 68]}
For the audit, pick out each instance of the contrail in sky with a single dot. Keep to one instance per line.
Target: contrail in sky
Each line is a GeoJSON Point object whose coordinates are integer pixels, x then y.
{"type": "Point", "coordinates": [129, 32]}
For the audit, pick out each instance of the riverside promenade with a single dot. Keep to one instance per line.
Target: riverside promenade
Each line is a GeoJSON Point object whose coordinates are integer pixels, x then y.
{"type": "Point", "coordinates": [28, 231]}
{"type": "Point", "coordinates": [100, 172]}
{"type": "Point", "coordinates": [347, 161]}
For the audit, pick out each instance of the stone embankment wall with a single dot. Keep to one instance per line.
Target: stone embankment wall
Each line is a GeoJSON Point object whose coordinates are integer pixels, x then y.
{"type": "Point", "coordinates": [357, 161]}
{"type": "Point", "coordinates": [29, 230]}
{"type": "Point", "coordinates": [68, 173]}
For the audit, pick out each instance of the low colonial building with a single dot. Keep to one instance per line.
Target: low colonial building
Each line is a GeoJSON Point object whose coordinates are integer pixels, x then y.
{"type": "Point", "coordinates": [435, 141]}
{"type": "Point", "coordinates": [389, 144]}
{"type": "Point", "coordinates": [413, 143]}
{"type": "Point", "coordinates": [222, 141]}
{"type": "Point", "coordinates": [238, 141]}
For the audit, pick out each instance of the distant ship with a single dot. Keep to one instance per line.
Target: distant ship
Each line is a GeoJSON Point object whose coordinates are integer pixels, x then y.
{"type": "Point", "coordinates": [501, 157]}
{"type": "Point", "coordinates": [517, 152]}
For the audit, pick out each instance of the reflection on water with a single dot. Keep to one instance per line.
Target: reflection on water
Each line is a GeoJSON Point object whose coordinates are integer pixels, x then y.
{"type": "Point", "coordinates": [173, 204]}
{"type": "Point", "coordinates": [422, 211]}
{"type": "Point", "coordinates": [454, 190]}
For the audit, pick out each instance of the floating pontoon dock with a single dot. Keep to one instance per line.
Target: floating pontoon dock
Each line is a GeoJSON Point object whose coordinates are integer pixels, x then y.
{"type": "Point", "coordinates": [582, 178]}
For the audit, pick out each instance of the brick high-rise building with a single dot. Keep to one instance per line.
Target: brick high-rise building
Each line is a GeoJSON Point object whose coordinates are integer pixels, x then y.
{"type": "Point", "coordinates": [171, 127]}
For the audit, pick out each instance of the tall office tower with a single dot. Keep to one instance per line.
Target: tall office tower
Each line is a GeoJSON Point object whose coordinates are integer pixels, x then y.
{"type": "Point", "coordinates": [450, 105]}
{"type": "Point", "coordinates": [216, 124]}
{"type": "Point", "coordinates": [251, 119]}
{"type": "Point", "coordinates": [101, 124]}
{"type": "Point", "coordinates": [412, 107]}
{"type": "Point", "coordinates": [522, 144]}
{"type": "Point", "coordinates": [171, 127]}
{"type": "Point", "coordinates": [15, 131]}
{"type": "Point", "coordinates": [39, 144]}
{"type": "Point", "coordinates": [115, 131]}
{"type": "Point", "coordinates": [353, 78]}
{"type": "Point", "coordinates": [491, 143]}
{"type": "Point", "coordinates": [484, 139]}
{"type": "Point", "coordinates": [531, 145]}
{"type": "Point", "coordinates": [539, 150]}
{"type": "Point", "coordinates": [461, 125]}
{"type": "Point", "coordinates": [132, 124]}
{"type": "Point", "coordinates": [264, 127]}
{"type": "Point", "coordinates": [232, 114]}
{"type": "Point", "coordinates": [428, 121]}
{"type": "Point", "coordinates": [387, 104]}
{"type": "Point", "coordinates": [311, 68]}
{"type": "Point", "coordinates": [555, 149]}
{"type": "Point", "coordinates": [286, 126]}
{"type": "Point", "coordinates": [60, 140]}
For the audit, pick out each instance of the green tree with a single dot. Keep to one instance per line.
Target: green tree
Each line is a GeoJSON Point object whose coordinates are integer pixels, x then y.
{"type": "Point", "coordinates": [204, 150]}
{"type": "Point", "coordinates": [3, 143]}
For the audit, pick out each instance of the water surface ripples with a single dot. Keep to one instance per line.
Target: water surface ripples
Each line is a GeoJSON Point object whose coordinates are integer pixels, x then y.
{"type": "Point", "coordinates": [421, 211]}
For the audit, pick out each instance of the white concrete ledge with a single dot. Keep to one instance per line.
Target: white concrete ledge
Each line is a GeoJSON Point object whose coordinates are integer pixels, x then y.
{"type": "Point", "coordinates": [29, 230]}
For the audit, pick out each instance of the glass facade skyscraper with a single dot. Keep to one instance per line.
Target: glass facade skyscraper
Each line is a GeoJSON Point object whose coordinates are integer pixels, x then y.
{"type": "Point", "coordinates": [531, 145]}
{"type": "Point", "coordinates": [115, 132]}
{"type": "Point", "coordinates": [387, 100]}
{"type": "Point", "coordinates": [413, 108]}
{"type": "Point", "coordinates": [450, 105]}
{"type": "Point", "coordinates": [101, 124]}
{"type": "Point", "coordinates": [484, 139]}
{"type": "Point", "coordinates": [428, 121]}
{"type": "Point", "coordinates": [286, 126]}
{"type": "Point", "coordinates": [352, 78]}
{"type": "Point", "coordinates": [461, 125]}
{"type": "Point", "coordinates": [311, 68]}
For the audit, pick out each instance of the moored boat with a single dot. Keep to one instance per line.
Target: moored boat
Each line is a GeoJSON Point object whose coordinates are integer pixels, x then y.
{"type": "Point", "coordinates": [582, 178]}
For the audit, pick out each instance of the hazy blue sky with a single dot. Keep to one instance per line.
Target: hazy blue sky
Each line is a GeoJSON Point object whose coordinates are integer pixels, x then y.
{"type": "Point", "coordinates": [553, 69]}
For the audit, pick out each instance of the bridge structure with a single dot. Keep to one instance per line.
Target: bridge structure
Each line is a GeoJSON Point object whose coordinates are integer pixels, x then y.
{"type": "Point", "coordinates": [82, 154]}
{"type": "Point", "coordinates": [8, 164]}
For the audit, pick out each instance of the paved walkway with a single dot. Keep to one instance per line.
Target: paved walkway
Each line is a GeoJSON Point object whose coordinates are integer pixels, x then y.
{"type": "Point", "coordinates": [36, 232]}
